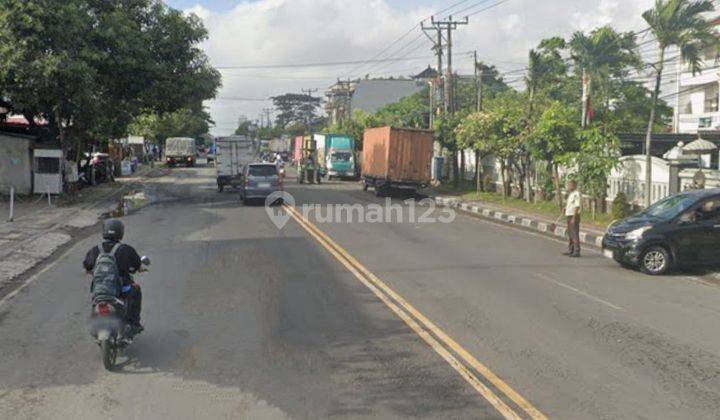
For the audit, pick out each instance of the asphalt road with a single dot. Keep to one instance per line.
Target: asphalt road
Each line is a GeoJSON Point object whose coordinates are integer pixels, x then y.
{"type": "Point", "coordinates": [245, 320]}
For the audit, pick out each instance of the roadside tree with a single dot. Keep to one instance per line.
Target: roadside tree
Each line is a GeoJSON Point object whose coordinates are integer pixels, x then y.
{"type": "Point", "coordinates": [682, 24]}
{"type": "Point", "coordinates": [592, 164]}
{"type": "Point", "coordinates": [553, 138]}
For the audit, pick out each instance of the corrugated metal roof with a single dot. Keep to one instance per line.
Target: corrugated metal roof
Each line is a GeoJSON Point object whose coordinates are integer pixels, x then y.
{"type": "Point", "coordinates": [371, 95]}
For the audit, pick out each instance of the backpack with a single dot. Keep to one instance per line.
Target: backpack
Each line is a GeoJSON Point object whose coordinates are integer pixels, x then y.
{"type": "Point", "coordinates": [106, 280]}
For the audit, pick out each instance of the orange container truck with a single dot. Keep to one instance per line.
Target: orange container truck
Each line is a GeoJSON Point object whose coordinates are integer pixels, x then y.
{"type": "Point", "coordinates": [396, 158]}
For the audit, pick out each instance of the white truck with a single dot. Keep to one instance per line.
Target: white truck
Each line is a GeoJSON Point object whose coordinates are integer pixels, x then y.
{"type": "Point", "coordinates": [280, 145]}
{"type": "Point", "coordinates": [180, 151]}
{"type": "Point", "coordinates": [231, 154]}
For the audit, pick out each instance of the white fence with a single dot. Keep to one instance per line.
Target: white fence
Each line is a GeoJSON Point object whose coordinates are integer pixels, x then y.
{"type": "Point", "coordinates": [629, 178]}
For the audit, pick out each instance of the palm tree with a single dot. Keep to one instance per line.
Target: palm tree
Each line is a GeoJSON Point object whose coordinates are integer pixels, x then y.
{"type": "Point", "coordinates": [600, 56]}
{"type": "Point", "coordinates": [676, 23]}
{"type": "Point", "coordinates": [545, 68]}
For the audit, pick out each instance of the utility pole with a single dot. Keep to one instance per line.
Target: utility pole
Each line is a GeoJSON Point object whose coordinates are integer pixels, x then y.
{"type": "Point", "coordinates": [345, 86]}
{"type": "Point", "coordinates": [478, 83]}
{"type": "Point", "coordinates": [437, 97]}
{"type": "Point", "coordinates": [478, 108]}
{"type": "Point", "coordinates": [309, 93]}
{"type": "Point", "coordinates": [449, 26]}
{"type": "Point", "coordinates": [266, 113]}
{"type": "Point", "coordinates": [438, 49]}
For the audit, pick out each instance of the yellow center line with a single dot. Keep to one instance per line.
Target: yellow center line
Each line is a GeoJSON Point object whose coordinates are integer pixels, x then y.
{"type": "Point", "coordinates": [396, 303]}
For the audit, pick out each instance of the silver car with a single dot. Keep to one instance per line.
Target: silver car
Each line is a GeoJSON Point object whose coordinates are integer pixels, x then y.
{"type": "Point", "coordinates": [259, 181]}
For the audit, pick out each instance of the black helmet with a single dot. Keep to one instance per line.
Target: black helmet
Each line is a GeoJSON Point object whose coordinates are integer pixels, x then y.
{"type": "Point", "coordinates": [113, 230]}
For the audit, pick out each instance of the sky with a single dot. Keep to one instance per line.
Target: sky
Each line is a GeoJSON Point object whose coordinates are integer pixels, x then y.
{"type": "Point", "coordinates": [299, 32]}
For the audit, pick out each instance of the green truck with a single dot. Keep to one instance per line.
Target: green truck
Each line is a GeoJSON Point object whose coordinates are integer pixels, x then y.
{"type": "Point", "coordinates": [336, 154]}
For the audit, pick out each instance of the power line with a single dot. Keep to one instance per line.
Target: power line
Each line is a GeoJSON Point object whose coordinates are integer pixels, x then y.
{"type": "Point", "coordinates": [362, 63]}
{"type": "Point", "coordinates": [315, 64]}
{"type": "Point", "coordinates": [461, 11]}
{"type": "Point", "coordinates": [392, 44]}
{"type": "Point", "coordinates": [229, 98]}
{"type": "Point", "coordinates": [403, 47]}
{"type": "Point", "coordinates": [488, 8]}
{"type": "Point", "coordinates": [386, 65]}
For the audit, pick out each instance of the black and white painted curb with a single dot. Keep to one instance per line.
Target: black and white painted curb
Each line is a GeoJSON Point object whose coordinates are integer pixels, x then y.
{"type": "Point", "coordinates": [553, 229]}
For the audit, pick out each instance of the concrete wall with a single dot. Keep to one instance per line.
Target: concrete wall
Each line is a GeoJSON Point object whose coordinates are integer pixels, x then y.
{"type": "Point", "coordinates": [629, 178]}
{"type": "Point", "coordinates": [15, 164]}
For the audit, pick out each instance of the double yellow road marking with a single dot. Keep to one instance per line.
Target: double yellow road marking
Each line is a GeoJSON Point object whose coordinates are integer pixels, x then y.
{"type": "Point", "coordinates": [436, 338]}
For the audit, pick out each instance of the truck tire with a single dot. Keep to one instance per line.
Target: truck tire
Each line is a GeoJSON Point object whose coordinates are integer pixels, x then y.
{"type": "Point", "coordinates": [220, 188]}
{"type": "Point", "coordinates": [365, 186]}
{"type": "Point", "coordinates": [380, 191]}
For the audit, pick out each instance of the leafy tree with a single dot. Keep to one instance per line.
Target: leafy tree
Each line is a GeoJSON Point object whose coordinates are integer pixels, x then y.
{"type": "Point", "coordinates": [410, 111]}
{"type": "Point", "coordinates": [445, 126]}
{"type": "Point", "coordinates": [244, 126]}
{"type": "Point", "coordinates": [509, 147]}
{"type": "Point", "coordinates": [182, 123]}
{"type": "Point", "coordinates": [296, 110]}
{"type": "Point", "coordinates": [630, 107]}
{"type": "Point", "coordinates": [679, 23]}
{"type": "Point", "coordinates": [592, 164]}
{"type": "Point", "coordinates": [601, 57]}
{"type": "Point", "coordinates": [497, 130]}
{"type": "Point", "coordinates": [89, 68]}
{"type": "Point", "coordinates": [356, 125]}
{"type": "Point", "coordinates": [547, 70]}
{"type": "Point", "coordinates": [477, 132]}
{"type": "Point", "coordinates": [553, 138]}
{"type": "Point", "coordinates": [512, 148]}
{"type": "Point", "coordinates": [493, 85]}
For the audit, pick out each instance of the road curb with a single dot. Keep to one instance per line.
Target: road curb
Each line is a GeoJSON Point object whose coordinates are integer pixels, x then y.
{"type": "Point", "coordinates": [550, 229]}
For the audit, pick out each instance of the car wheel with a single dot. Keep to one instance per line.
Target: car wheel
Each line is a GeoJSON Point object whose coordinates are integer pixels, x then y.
{"type": "Point", "coordinates": [365, 186]}
{"type": "Point", "coordinates": [655, 261]}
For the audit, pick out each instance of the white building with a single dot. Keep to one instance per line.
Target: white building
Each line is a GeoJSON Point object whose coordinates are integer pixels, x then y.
{"type": "Point", "coordinates": [696, 105]}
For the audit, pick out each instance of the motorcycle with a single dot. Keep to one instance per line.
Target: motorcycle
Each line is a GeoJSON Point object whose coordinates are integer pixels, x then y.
{"type": "Point", "coordinates": [109, 327]}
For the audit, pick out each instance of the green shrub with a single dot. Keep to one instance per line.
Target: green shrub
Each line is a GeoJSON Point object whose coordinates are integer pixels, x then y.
{"type": "Point", "coordinates": [621, 207]}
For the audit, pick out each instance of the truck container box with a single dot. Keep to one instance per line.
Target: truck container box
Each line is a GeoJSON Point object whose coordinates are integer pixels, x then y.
{"type": "Point", "coordinates": [232, 153]}
{"type": "Point", "coordinates": [297, 149]}
{"type": "Point", "coordinates": [397, 156]}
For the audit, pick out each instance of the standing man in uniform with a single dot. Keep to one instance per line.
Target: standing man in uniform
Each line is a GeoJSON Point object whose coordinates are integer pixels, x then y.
{"type": "Point", "coordinates": [572, 213]}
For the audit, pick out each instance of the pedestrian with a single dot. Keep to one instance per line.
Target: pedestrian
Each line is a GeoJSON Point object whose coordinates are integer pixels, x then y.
{"type": "Point", "coordinates": [572, 213]}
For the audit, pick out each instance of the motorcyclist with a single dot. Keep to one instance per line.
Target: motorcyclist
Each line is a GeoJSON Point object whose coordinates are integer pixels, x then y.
{"type": "Point", "coordinates": [128, 262]}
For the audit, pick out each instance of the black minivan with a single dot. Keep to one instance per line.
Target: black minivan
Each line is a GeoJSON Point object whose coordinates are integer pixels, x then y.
{"type": "Point", "coordinates": [680, 230]}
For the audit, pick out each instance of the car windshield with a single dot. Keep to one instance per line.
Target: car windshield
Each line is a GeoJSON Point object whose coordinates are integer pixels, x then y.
{"type": "Point", "coordinates": [670, 207]}
{"type": "Point", "coordinates": [341, 156]}
{"type": "Point", "coordinates": [263, 170]}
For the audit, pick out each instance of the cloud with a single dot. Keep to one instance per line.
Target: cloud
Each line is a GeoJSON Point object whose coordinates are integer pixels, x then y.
{"type": "Point", "coordinates": [308, 31]}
